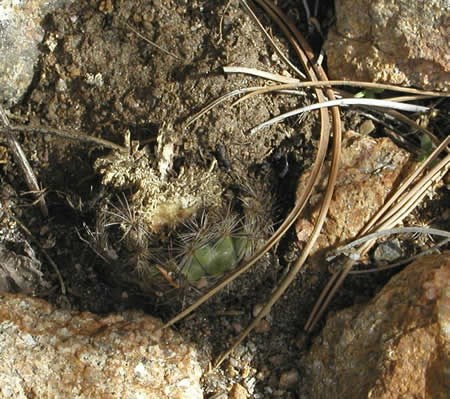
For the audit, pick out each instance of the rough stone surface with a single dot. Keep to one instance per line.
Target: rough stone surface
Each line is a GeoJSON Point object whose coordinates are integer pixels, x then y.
{"type": "Point", "coordinates": [238, 392]}
{"type": "Point", "coordinates": [396, 346]}
{"type": "Point", "coordinates": [50, 353]}
{"type": "Point", "coordinates": [369, 169]}
{"type": "Point", "coordinates": [20, 35]}
{"type": "Point", "coordinates": [392, 41]}
{"type": "Point", "coordinates": [19, 273]}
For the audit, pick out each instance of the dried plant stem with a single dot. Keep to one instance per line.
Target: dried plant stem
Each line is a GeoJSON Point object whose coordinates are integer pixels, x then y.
{"type": "Point", "coordinates": [262, 74]}
{"type": "Point", "coordinates": [67, 134]}
{"type": "Point", "coordinates": [294, 83]}
{"type": "Point", "coordinates": [218, 101]}
{"type": "Point", "coordinates": [158, 47]}
{"type": "Point", "coordinates": [22, 160]}
{"type": "Point", "coordinates": [342, 102]}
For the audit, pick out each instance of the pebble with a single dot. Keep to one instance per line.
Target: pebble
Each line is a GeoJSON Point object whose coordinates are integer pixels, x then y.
{"type": "Point", "coordinates": [256, 309]}
{"type": "Point", "coordinates": [367, 127]}
{"type": "Point", "coordinates": [237, 327]}
{"type": "Point", "coordinates": [277, 360]}
{"type": "Point", "coordinates": [246, 371]}
{"type": "Point", "coordinates": [263, 326]}
{"type": "Point", "coordinates": [388, 251]}
{"type": "Point", "coordinates": [289, 379]}
{"type": "Point", "coordinates": [238, 392]}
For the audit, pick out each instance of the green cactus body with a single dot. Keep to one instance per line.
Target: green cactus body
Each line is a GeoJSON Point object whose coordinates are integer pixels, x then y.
{"type": "Point", "coordinates": [213, 259]}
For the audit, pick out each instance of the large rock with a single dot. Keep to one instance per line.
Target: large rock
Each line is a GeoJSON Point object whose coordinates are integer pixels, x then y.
{"type": "Point", "coordinates": [368, 172]}
{"type": "Point", "coordinates": [50, 353]}
{"type": "Point", "coordinates": [397, 346]}
{"type": "Point", "coordinates": [392, 41]}
{"type": "Point", "coordinates": [20, 35]}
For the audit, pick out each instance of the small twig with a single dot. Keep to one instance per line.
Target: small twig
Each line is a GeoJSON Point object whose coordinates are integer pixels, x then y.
{"type": "Point", "coordinates": [218, 101]}
{"type": "Point", "coordinates": [153, 43]}
{"type": "Point", "coordinates": [68, 134]}
{"type": "Point", "coordinates": [22, 160]}
{"type": "Point", "coordinates": [44, 252]}
{"type": "Point", "coordinates": [406, 99]}
{"type": "Point", "coordinates": [271, 41]}
{"type": "Point", "coordinates": [296, 83]}
{"type": "Point", "coordinates": [221, 21]}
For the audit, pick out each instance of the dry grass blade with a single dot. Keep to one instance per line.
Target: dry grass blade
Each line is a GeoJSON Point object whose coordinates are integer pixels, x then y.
{"type": "Point", "coordinates": [342, 102]}
{"type": "Point", "coordinates": [293, 83]}
{"type": "Point", "coordinates": [408, 98]}
{"type": "Point", "coordinates": [218, 101]}
{"type": "Point", "coordinates": [261, 74]}
{"type": "Point", "coordinates": [407, 197]}
{"type": "Point", "coordinates": [167, 52]}
{"type": "Point", "coordinates": [22, 160]}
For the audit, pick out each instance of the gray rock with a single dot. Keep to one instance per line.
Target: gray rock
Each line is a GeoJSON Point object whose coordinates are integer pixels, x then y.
{"type": "Point", "coordinates": [19, 273]}
{"type": "Point", "coordinates": [20, 35]}
{"type": "Point", "coordinates": [51, 353]}
{"type": "Point", "coordinates": [391, 41]}
{"type": "Point", "coordinates": [388, 251]}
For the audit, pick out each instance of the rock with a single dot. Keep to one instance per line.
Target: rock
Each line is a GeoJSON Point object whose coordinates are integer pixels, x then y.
{"type": "Point", "coordinates": [20, 273]}
{"type": "Point", "coordinates": [397, 345]}
{"type": "Point", "coordinates": [368, 172]}
{"type": "Point", "coordinates": [391, 41]}
{"type": "Point", "coordinates": [289, 379]}
{"type": "Point", "coordinates": [51, 353]}
{"type": "Point", "coordinates": [20, 35]}
{"type": "Point", "coordinates": [388, 251]}
{"type": "Point", "coordinates": [238, 392]}
{"type": "Point", "coordinates": [263, 327]}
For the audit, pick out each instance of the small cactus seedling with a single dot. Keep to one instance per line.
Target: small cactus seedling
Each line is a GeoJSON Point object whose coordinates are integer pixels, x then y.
{"type": "Point", "coordinates": [201, 249]}
{"type": "Point", "coordinates": [215, 247]}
